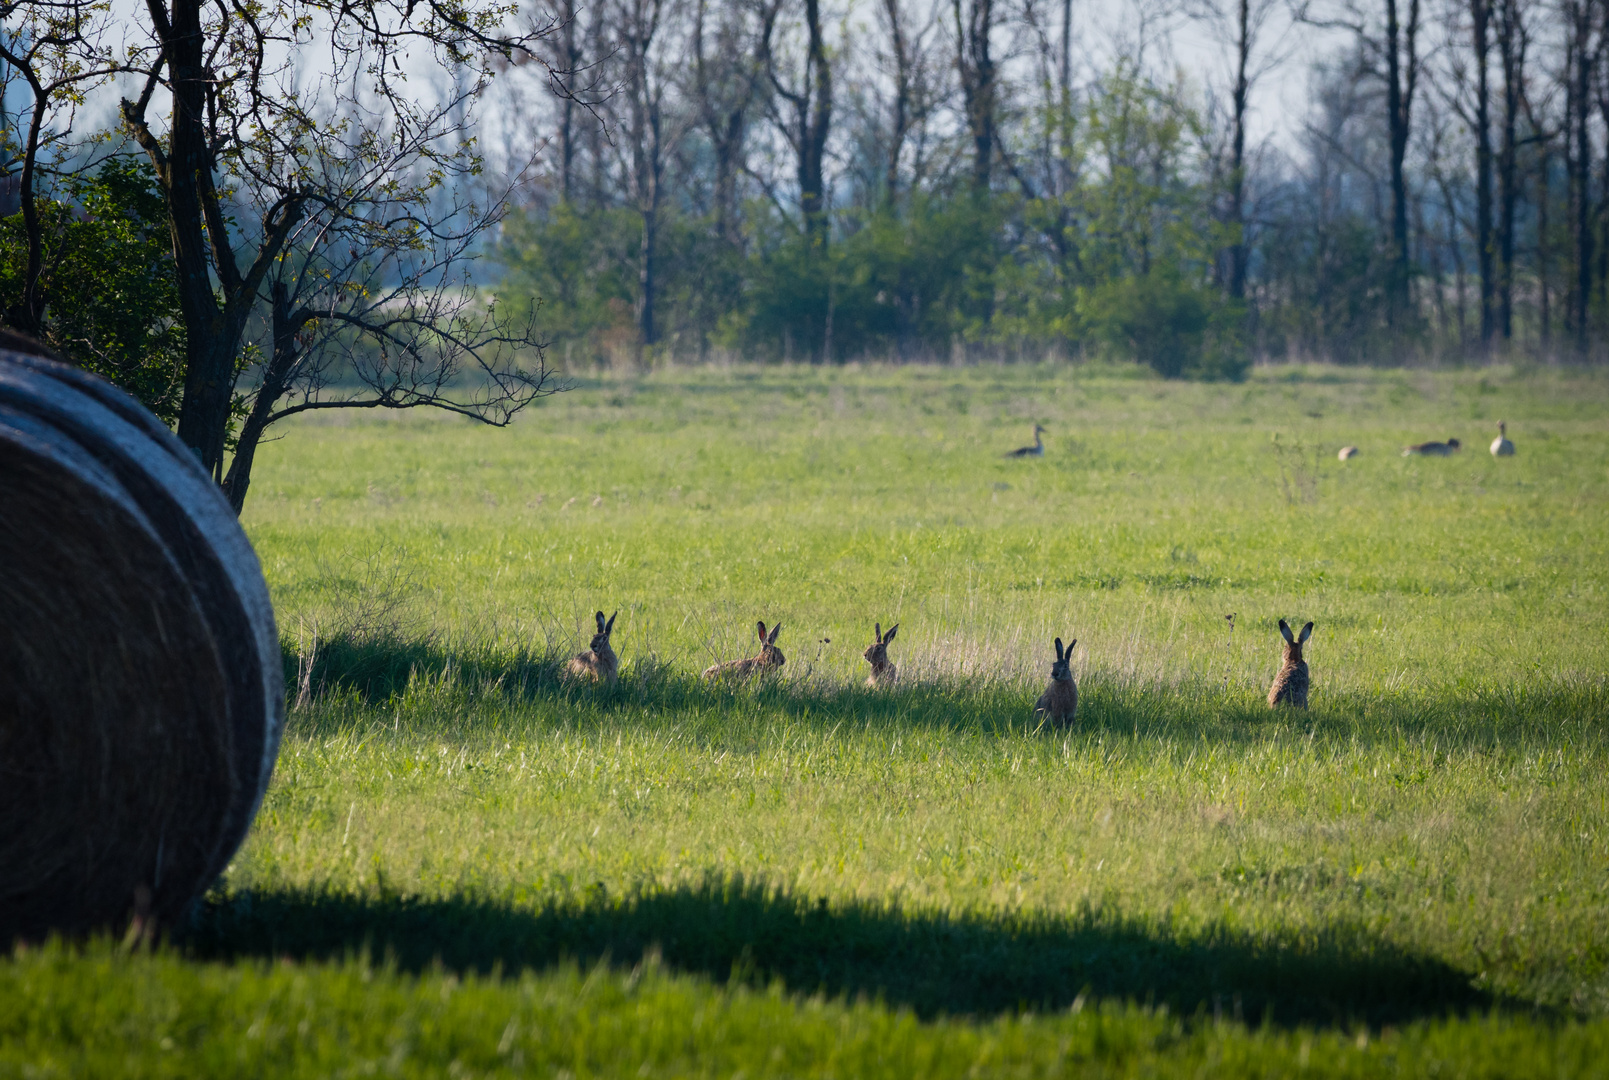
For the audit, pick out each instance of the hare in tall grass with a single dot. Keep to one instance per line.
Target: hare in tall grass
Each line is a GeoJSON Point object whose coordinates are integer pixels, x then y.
{"type": "Point", "coordinates": [883, 672]}
{"type": "Point", "coordinates": [599, 663]}
{"type": "Point", "coordinates": [1290, 685]}
{"type": "Point", "coordinates": [769, 659]}
{"type": "Point", "coordinates": [1059, 703]}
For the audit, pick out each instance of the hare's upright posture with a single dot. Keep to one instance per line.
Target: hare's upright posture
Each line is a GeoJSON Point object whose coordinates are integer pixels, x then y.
{"type": "Point", "coordinates": [599, 662]}
{"type": "Point", "coordinates": [1059, 703]}
{"type": "Point", "coordinates": [1290, 685]}
{"type": "Point", "coordinates": [883, 672]}
{"type": "Point", "coordinates": [770, 659]}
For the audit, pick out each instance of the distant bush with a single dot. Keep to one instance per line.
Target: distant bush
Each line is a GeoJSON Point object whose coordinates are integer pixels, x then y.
{"type": "Point", "coordinates": [111, 296]}
{"type": "Point", "coordinates": [1176, 328]}
{"type": "Point", "coordinates": [1119, 259]}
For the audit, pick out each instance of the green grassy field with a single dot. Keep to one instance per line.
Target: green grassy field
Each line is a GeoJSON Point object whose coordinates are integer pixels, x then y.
{"type": "Point", "coordinates": [466, 866]}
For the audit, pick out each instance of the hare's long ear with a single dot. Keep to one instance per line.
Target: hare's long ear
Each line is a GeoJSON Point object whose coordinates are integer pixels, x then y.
{"type": "Point", "coordinates": [1285, 631]}
{"type": "Point", "coordinates": [1307, 632]}
{"type": "Point", "coordinates": [775, 630]}
{"type": "Point", "coordinates": [609, 627]}
{"type": "Point", "coordinates": [761, 627]}
{"type": "Point", "coordinates": [1058, 649]}
{"type": "Point", "coordinates": [877, 628]}
{"type": "Point", "coordinates": [890, 635]}
{"type": "Point", "coordinates": [1070, 645]}
{"type": "Point", "coordinates": [600, 622]}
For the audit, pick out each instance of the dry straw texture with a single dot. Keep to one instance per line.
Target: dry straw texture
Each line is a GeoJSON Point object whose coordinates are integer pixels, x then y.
{"type": "Point", "coordinates": [138, 717]}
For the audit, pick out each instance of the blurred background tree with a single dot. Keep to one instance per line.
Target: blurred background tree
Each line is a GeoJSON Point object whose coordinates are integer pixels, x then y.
{"type": "Point", "coordinates": [111, 300]}
{"type": "Point", "coordinates": [1418, 181]}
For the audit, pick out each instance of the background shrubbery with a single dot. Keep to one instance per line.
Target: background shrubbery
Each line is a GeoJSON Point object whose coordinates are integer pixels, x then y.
{"type": "Point", "coordinates": [1121, 264]}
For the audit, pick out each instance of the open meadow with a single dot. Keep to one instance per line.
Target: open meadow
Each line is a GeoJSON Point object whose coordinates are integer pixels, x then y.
{"type": "Point", "coordinates": [468, 866]}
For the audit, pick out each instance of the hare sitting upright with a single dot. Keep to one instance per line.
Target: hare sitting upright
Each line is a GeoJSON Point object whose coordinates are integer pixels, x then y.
{"type": "Point", "coordinates": [770, 659]}
{"type": "Point", "coordinates": [1059, 703]}
{"type": "Point", "coordinates": [883, 672]}
{"type": "Point", "coordinates": [1290, 685]}
{"type": "Point", "coordinates": [599, 663]}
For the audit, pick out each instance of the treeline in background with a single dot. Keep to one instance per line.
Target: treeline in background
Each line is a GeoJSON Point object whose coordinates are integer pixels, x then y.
{"type": "Point", "coordinates": [1193, 185]}
{"type": "Point", "coordinates": [1223, 182]}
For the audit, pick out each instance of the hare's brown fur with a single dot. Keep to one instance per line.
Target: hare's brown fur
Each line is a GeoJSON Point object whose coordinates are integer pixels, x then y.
{"type": "Point", "coordinates": [883, 672]}
{"type": "Point", "coordinates": [769, 659]}
{"type": "Point", "coordinates": [599, 662]}
{"type": "Point", "coordinates": [1059, 703]}
{"type": "Point", "coordinates": [1290, 685]}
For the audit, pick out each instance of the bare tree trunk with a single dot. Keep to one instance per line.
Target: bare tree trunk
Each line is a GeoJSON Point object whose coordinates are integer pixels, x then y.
{"type": "Point", "coordinates": [571, 61]}
{"type": "Point", "coordinates": [811, 105]}
{"type": "Point", "coordinates": [1402, 74]}
{"type": "Point", "coordinates": [725, 87]}
{"type": "Point", "coordinates": [1064, 125]}
{"type": "Point", "coordinates": [1237, 152]}
{"type": "Point", "coordinates": [1511, 52]}
{"type": "Point", "coordinates": [1430, 254]}
{"type": "Point", "coordinates": [1481, 21]}
{"type": "Point", "coordinates": [1544, 315]}
{"type": "Point", "coordinates": [286, 352]}
{"type": "Point", "coordinates": [28, 316]}
{"type": "Point", "coordinates": [1066, 73]}
{"type": "Point", "coordinates": [974, 62]}
{"type": "Point", "coordinates": [1599, 282]}
{"type": "Point", "coordinates": [813, 130]}
{"type": "Point", "coordinates": [640, 25]}
{"type": "Point", "coordinates": [1578, 160]}
{"type": "Point", "coordinates": [901, 119]}
{"type": "Point", "coordinates": [214, 316]}
{"type": "Point", "coordinates": [599, 181]}
{"type": "Point", "coordinates": [1455, 249]}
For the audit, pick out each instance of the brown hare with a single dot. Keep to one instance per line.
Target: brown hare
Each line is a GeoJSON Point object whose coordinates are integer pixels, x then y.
{"type": "Point", "coordinates": [1059, 703]}
{"type": "Point", "coordinates": [883, 672]}
{"type": "Point", "coordinates": [770, 659]}
{"type": "Point", "coordinates": [1432, 449]}
{"type": "Point", "coordinates": [1290, 685]}
{"type": "Point", "coordinates": [599, 663]}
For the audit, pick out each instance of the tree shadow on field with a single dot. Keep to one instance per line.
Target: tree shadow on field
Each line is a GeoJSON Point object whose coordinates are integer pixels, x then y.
{"type": "Point", "coordinates": [976, 965]}
{"type": "Point", "coordinates": [378, 670]}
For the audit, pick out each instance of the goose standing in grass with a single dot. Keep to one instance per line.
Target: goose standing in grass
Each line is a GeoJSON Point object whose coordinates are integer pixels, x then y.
{"type": "Point", "coordinates": [1036, 450]}
{"type": "Point", "coordinates": [1432, 449]}
{"type": "Point", "coordinates": [1501, 447]}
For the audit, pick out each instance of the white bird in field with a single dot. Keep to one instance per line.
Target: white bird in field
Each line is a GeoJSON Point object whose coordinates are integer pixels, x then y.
{"type": "Point", "coordinates": [1036, 450]}
{"type": "Point", "coordinates": [1501, 447]}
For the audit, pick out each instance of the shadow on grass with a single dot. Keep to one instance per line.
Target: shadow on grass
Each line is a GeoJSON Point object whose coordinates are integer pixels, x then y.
{"type": "Point", "coordinates": [385, 670]}
{"type": "Point", "coordinates": [932, 964]}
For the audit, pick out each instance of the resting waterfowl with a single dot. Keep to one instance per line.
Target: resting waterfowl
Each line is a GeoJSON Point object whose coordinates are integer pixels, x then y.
{"type": "Point", "coordinates": [1432, 449]}
{"type": "Point", "coordinates": [1036, 450]}
{"type": "Point", "coordinates": [1501, 447]}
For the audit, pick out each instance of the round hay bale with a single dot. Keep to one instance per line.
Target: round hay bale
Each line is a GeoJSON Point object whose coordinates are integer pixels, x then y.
{"type": "Point", "coordinates": [141, 696]}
